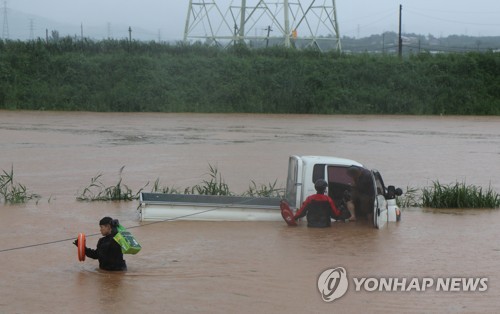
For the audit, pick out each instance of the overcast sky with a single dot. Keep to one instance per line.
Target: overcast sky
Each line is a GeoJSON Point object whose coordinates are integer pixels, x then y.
{"type": "Point", "coordinates": [355, 17]}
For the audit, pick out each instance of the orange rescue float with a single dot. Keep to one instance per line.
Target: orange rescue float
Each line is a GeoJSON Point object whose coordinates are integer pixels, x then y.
{"type": "Point", "coordinates": [81, 247]}
{"type": "Point", "coordinates": [287, 213]}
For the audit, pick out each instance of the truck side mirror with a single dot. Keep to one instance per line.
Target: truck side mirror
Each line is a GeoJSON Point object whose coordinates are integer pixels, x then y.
{"type": "Point", "coordinates": [399, 192]}
{"type": "Point", "coordinates": [392, 192]}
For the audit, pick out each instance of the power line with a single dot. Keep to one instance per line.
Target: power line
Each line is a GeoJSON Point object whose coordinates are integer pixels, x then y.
{"type": "Point", "coordinates": [383, 18]}
{"type": "Point", "coordinates": [131, 227]}
{"type": "Point", "coordinates": [468, 12]}
{"type": "Point", "coordinates": [453, 21]}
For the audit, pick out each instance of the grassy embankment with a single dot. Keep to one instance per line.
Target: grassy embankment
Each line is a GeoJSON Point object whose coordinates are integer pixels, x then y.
{"type": "Point", "coordinates": [121, 76]}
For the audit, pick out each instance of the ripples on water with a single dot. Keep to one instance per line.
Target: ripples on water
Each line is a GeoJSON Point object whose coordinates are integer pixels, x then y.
{"type": "Point", "coordinates": [240, 266]}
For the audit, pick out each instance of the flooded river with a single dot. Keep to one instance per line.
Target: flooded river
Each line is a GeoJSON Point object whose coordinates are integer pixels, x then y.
{"type": "Point", "coordinates": [240, 267]}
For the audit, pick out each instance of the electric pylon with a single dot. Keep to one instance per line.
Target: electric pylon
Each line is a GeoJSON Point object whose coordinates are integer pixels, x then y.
{"type": "Point", "coordinates": [295, 23]}
{"type": "Point", "coordinates": [5, 30]}
{"type": "Point", "coordinates": [32, 30]}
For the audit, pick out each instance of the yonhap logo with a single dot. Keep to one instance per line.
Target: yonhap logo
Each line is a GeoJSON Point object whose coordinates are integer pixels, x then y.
{"type": "Point", "coordinates": [421, 284]}
{"type": "Point", "coordinates": [333, 283]}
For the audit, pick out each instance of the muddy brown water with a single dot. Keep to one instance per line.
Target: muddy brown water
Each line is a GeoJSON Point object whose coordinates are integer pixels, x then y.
{"type": "Point", "coordinates": [240, 267]}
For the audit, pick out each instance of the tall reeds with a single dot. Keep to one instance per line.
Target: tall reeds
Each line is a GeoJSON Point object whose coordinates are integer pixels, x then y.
{"type": "Point", "coordinates": [215, 186]}
{"type": "Point", "coordinates": [410, 198]}
{"type": "Point", "coordinates": [263, 190]}
{"type": "Point", "coordinates": [459, 195]}
{"type": "Point", "coordinates": [12, 192]}
{"type": "Point", "coordinates": [158, 188]}
{"type": "Point", "coordinates": [97, 191]}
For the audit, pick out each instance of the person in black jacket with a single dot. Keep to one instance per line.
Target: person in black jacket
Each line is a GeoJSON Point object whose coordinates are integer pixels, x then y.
{"type": "Point", "coordinates": [108, 251]}
{"type": "Point", "coordinates": [320, 208]}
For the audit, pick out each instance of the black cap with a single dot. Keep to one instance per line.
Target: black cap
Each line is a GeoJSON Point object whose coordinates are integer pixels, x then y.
{"type": "Point", "coordinates": [320, 185]}
{"type": "Point", "coordinates": [106, 221]}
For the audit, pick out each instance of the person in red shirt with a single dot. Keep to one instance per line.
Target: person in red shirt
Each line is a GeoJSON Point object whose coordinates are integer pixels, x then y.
{"type": "Point", "coordinates": [320, 208]}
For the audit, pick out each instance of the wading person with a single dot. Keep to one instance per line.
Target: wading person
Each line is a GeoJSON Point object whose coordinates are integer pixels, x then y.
{"type": "Point", "coordinates": [320, 208]}
{"type": "Point", "coordinates": [108, 251]}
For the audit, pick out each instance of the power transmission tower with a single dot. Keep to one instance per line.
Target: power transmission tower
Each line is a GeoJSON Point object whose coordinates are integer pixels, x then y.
{"type": "Point", "coordinates": [299, 23]}
{"type": "Point", "coordinates": [32, 30]}
{"type": "Point", "coordinates": [5, 31]}
{"type": "Point", "coordinates": [109, 30]}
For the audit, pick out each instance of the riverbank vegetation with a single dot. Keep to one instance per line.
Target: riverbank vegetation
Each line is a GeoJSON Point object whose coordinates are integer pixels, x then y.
{"type": "Point", "coordinates": [123, 76]}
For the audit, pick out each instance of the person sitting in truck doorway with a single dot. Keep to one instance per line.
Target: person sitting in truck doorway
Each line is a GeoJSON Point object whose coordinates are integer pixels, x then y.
{"type": "Point", "coordinates": [363, 194]}
{"type": "Point", "coordinates": [348, 204]}
{"type": "Point", "coordinates": [320, 208]}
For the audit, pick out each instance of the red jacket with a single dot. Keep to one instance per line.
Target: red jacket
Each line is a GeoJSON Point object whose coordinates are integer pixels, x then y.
{"type": "Point", "coordinates": [319, 209]}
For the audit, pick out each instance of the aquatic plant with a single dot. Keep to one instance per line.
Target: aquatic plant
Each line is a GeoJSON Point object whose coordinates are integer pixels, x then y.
{"type": "Point", "coordinates": [97, 191]}
{"type": "Point", "coordinates": [411, 198]}
{"type": "Point", "coordinates": [216, 185]}
{"type": "Point", "coordinates": [459, 195]}
{"type": "Point", "coordinates": [12, 192]}
{"type": "Point", "coordinates": [263, 190]}
{"type": "Point", "coordinates": [158, 188]}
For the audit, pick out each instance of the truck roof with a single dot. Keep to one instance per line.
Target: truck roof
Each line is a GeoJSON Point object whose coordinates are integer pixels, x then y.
{"type": "Point", "coordinates": [329, 160]}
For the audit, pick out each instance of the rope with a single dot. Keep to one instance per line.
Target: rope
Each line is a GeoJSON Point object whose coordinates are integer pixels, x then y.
{"type": "Point", "coordinates": [40, 244]}
{"type": "Point", "coordinates": [132, 227]}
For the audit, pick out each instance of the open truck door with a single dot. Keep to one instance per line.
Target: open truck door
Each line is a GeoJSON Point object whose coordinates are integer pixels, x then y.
{"type": "Point", "coordinates": [293, 184]}
{"type": "Point", "coordinates": [366, 188]}
{"type": "Point", "coordinates": [380, 213]}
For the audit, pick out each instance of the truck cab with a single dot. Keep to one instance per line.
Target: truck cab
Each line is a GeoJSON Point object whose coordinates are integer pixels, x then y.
{"type": "Point", "coordinates": [372, 200]}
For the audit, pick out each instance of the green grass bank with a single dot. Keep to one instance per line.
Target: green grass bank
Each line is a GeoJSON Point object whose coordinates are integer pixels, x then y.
{"type": "Point", "coordinates": [124, 76]}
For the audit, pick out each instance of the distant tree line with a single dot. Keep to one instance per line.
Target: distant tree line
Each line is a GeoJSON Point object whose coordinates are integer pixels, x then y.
{"type": "Point", "coordinates": [387, 43]}
{"type": "Point", "coordinates": [415, 43]}
{"type": "Point", "coordinates": [122, 75]}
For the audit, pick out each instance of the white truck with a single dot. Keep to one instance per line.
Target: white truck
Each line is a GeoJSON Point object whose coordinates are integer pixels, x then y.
{"type": "Point", "coordinates": [303, 171]}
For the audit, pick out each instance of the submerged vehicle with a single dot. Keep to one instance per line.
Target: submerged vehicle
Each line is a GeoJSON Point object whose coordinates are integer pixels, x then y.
{"type": "Point", "coordinates": [370, 198]}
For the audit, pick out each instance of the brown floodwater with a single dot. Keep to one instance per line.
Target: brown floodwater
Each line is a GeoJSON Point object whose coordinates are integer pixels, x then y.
{"type": "Point", "coordinates": [240, 267]}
